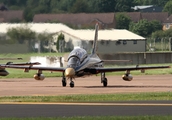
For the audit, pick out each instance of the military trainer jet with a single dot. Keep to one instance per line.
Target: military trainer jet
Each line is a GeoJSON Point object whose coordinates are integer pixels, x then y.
{"type": "Point", "coordinates": [80, 64]}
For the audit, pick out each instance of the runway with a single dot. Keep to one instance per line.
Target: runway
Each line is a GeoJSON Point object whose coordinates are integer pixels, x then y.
{"type": "Point", "coordinates": [89, 85]}
{"type": "Point", "coordinates": [86, 109]}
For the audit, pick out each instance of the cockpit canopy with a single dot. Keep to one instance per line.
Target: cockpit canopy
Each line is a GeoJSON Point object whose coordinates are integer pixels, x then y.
{"type": "Point", "coordinates": [73, 62]}
{"type": "Point", "coordinates": [78, 52]}
{"type": "Point", "coordinates": [76, 57]}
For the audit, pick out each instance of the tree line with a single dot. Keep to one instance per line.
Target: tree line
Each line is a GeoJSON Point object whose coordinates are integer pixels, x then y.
{"type": "Point", "coordinates": [77, 6]}
{"type": "Point", "coordinates": [143, 27]}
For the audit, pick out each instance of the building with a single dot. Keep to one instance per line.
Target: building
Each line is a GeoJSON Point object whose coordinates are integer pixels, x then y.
{"type": "Point", "coordinates": [79, 20]}
{"type": "Point", "coordinates": [105, 20]}
{"type": "Point", "coordinates": [137, 16]}
{"type": "Point", "coordinates": [167, 24]}
{"type": "Point", "coordinates": [36, 27]}
{"type": "Point", "coordinates": [109, 41]}
{"type": "Point", "coordinates": [11, 16]}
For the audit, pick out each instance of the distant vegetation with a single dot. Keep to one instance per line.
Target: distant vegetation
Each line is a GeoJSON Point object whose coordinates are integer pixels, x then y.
{"type": "Point", "coordinates": [144, 28]}
{"type": "Point", "coordinates": [32, 7]}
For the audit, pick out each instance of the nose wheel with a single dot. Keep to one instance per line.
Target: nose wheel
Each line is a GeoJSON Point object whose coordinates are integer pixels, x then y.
{"type": "Point", "coordinates": [72, 84]}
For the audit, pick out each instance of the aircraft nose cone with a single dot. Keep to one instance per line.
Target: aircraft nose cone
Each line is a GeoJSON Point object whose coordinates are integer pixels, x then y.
{"type": "Point", "coordinates": [69, 72]}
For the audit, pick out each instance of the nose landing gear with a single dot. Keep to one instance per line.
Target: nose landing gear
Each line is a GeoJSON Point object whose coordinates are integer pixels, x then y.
{"type": "Point", "coordinates": [71, 83]}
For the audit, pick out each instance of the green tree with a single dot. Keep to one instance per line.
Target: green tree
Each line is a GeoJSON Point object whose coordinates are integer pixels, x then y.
{"type": "Point", "coordinates": [167, 7]}
{"type": "Point", "coordinates": [14, 2]}
{"type": "Point", "coordinates": [55, 6]}
{"type": "Point", "coordinates": [168, 33]}
{"type": "Point", "coordinates": [21, 35]}
{"type": "Point", "coordinates": [156, 25]}
{"type": "Point", "coordinates": [32, 3]}
{"type": "Point", "coordinates": [143, 28]}
{"type": "Point", "coordinates": [60, 38]}
{"type": "Point", "coordinates": [93, 6]}
{"type": "Point", "coordinates": [65, 5]}
{"type": "Point", "coordinates": [45, 41]}
{"type": "Point", "coordinates": [28, 14]}
{"type": "Point", "coordinates": [122, 21]}
{"type": "Point", "coordinates": [106, 5]}
{"type": "Point", "coordinates": [80, 6]}
{"type": "Point", "coordinates": [151, 2]}
{"type": "Point", "coordinates": [158, 34]}
{"type": "Point", "coordinates": [44, 6]}
{"type": "Point", "coordinates": [124, 5]}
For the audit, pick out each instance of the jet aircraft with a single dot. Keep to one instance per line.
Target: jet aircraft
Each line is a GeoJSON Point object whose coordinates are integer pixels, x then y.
{"type": "Point", "coordinates": [81, 64]}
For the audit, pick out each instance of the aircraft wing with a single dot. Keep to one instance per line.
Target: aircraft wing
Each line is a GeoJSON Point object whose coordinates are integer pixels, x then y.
{"type": "Point", "coordinates": [116, 60]}
{"type": "Point", "coordinates": [118, 69]}
{"type": "Point", "coordinates": [59, 69]}
{"type": "Point", "coordinates": [27, 63]}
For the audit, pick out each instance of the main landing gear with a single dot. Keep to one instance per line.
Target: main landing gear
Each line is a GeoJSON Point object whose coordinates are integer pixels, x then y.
{"type": "Point", "coordinates": [64, 82]}
{"type": "Point", "coordinates": [104, 79]}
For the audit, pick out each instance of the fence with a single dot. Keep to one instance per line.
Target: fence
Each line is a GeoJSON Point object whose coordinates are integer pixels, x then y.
{"type": "Point", "coordinates": [159, 44]}
{"type": "Point", "coordinates": [152, 45]}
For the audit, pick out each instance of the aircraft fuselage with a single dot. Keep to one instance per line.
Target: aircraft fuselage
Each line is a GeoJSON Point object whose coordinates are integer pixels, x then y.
{"type": "Point", "coordinates": [82, 63]}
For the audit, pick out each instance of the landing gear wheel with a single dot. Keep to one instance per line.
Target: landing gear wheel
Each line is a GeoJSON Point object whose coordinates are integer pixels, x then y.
{"type": "Point", "coordinates": [64, 82]}
{"type": "Point", "coordinates": [105, 82]}
{"type": "Point", "coordinates": [71, 84]}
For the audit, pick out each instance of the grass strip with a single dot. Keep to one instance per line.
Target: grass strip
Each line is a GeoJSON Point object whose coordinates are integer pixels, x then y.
{"type": "Point", "coordinates": [91, 98]}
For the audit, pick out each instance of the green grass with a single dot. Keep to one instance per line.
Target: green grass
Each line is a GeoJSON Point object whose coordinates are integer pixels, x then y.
{"type": "Point", "coordinates": [97, 118]}
{"type": "Point", "coordinates": [91, 98]}
{"type": "Point", "coordinates": [26, 57]}
{"type": "Point", "coordinates": [19, 73]}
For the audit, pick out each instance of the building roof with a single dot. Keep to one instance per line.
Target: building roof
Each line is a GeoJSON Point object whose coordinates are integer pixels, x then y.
{"type": "Point", "coordinates": [37, 27]}
{"type": "Point", "coordinates": [70, 18]}
{"type": "Point", "coordinates": [11, 15]}
{"type": "Point", "coordinates": [134, 16]}
{"type": "Point", "coordinates": [168, 20]}
{"type": "Point", "coordinates": [113, 34]}
{"type": "Point", "coordinates": [160, 16]}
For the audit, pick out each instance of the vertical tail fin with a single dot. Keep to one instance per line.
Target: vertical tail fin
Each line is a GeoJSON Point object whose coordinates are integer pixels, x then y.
{"type": "Point", "coordinates": [94, 49]}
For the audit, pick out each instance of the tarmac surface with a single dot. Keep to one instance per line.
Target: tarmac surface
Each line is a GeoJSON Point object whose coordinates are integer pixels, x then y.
{"type": "Point", "coordinates": [20, 110]}
{"type": "Point", "coordinates": [88, 85]}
